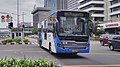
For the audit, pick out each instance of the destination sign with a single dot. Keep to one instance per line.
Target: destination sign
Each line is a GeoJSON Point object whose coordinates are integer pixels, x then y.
{"type": "Point", "coordinates": [73, 14]}
{"type": "Point", "coordinates": [78, 14]}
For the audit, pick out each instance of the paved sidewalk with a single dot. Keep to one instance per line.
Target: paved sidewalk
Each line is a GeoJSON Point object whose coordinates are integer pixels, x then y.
{"type": "Point", "coordinates": [32, 40]}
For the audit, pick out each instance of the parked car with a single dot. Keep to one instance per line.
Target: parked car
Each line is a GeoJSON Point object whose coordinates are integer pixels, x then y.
{"type": "Point", "coordinates": [114, 43]}
{"type": "Point", "coordinates": [103, 39]}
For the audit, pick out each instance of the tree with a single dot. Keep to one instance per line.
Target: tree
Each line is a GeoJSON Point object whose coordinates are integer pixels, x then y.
{"type": "Point", "coordinates": [35, 30]}
{"type": "Point", "coordinates": [100, 31]}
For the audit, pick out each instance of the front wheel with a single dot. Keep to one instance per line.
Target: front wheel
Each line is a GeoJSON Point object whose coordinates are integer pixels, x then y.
{"type": "Point", "coordinates": [111, 47]}
{"type": "Point", "coordinates": [50, 50]}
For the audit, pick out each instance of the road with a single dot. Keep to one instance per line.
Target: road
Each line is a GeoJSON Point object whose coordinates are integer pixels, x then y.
{"type": "Point", "coordinates": [99, 55]}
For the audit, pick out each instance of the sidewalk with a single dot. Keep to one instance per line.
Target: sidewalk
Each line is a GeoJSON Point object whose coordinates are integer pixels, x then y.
{"type": "Point", "coordinates": [32, 40]}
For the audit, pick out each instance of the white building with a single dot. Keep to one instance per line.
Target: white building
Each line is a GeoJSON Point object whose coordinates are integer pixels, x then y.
{"type": "Point", "coordinates": [72, 5]}
{"type": "Point", "coordinates": [114, 10]}
{"type": "Point", "coordinates": [95, 7]}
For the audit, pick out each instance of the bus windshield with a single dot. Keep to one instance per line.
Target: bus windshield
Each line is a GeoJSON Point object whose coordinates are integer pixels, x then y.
{"type": "Point", "coordinates": [73, 26]}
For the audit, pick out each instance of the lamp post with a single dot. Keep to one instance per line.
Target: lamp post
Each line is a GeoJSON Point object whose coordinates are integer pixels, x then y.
{"type": "Point", "coordinates": [18, 14]}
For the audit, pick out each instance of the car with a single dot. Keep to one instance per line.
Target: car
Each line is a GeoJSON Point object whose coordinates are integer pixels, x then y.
{"type": "Point", "coordinates": [103, 39]}
{"type": "Point", "coordinates": [114, 43]}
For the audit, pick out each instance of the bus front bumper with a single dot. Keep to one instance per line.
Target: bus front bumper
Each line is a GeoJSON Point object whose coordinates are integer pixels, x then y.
{"type": "Point", "coordinates": [69, 50]}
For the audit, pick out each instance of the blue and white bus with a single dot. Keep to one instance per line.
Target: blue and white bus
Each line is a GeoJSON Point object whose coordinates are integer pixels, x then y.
{"type": "Point", "coordinates": [66, 32]}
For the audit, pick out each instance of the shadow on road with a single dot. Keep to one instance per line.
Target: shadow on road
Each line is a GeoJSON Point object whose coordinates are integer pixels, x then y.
{"type": "Point", "coordinates": [68, 56]}
{"type": "Point", "coordinates": [65, 56]}
{"type": "Point", "coordinates": [117, 50]}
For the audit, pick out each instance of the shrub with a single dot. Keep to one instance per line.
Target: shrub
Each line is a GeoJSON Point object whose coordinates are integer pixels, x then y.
{"type": "Point", "coordinates": [17, 40]}
{"type": "Point", "coordinates": [25, 40]}
{"type": "Point", "coordinates": [9, 40]}
{"type": "Point", "coordinates": [24, 62]}
{"type": "Point", "coordinates": [92, 38]}
{"type": "Point", "coordinates": [4, 41]}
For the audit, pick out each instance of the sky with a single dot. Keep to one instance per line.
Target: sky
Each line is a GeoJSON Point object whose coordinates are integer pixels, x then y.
{"type": "Point", "coordinates": [26, 6]}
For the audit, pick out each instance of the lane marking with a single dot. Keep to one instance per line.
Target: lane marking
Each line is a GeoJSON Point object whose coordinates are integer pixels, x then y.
{"type": "Point", "coordinates": [91, 65]}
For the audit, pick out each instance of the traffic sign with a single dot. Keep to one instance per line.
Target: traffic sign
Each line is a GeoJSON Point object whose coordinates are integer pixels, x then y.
{"type": "Point", "coordinates": [7, 16]}
{"type": "Point", "coordinates": [7, 20]}
{"type": "Point", "coordinates": [2, 20]}
{"type": "Point", "coordinates": [2, 17]}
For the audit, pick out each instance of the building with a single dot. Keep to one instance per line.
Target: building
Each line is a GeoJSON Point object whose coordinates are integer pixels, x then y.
{"type": "Point", "coordinates": [26, 24]}
{"type": "Point", "coordinates": [114, 10]}
{"type": "Point", "coordinates": [39, 14]}
{"type": "Point", "coordinates": [4, 33]}
{"type": "Point", "coordinates": [28, 30]}
{"type": "Point", "coordinates": [72, 4]}
{"type": "Point", "coordinates": [95, 7]}
{"type": "Point", "coordinates": [17, 33]}
{"type": "Point", "coordinates": [54, 5]}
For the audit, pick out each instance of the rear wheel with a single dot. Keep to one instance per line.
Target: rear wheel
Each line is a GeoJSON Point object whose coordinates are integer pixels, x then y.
{"type": "Point", "coordinates": [111, 47]}
{"type": "Point", "coordinates": [50, 51]}
{"type": "Point", "coordinates": [40, 43]}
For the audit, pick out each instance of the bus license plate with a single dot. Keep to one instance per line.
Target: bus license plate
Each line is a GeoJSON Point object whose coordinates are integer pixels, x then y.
{"type": "Point", "coordinates": [74, 50]}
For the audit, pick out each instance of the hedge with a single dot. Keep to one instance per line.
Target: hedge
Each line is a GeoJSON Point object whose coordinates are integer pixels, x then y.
{"type": "Point", "coordinates": [24, 62]}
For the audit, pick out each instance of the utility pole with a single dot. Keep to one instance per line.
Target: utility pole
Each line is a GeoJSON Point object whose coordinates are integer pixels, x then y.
{"type": "Point", "coordinates": [23, 17]}
{"type": "Point", "coordinates": [23, 23]}
{"type": "Point", "coordinates": [18, 14]}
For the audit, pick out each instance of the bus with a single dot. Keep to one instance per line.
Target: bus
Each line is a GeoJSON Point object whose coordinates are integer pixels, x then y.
{"type": "Point", "coordinates": [66, 32]}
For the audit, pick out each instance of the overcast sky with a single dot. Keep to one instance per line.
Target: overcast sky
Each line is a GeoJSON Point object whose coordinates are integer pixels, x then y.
{"type": "Point", "coordinates": [26, 6]}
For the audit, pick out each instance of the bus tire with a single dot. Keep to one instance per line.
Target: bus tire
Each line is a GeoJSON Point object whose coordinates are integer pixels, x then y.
{"type": "Point", "coordinates": [50, 51]}
{"type": "Point", "coordinates": [40, 44]}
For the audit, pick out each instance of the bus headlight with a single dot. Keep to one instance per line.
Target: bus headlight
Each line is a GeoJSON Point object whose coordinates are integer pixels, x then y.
{"type": "Point", "coordinates": [59, 45]}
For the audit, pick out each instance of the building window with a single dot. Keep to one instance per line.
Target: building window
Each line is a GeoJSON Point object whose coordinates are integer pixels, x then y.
{"type": "Point", "coordinates": [19, 34]}
{"type": "Point", "coordinates": [114, 2]}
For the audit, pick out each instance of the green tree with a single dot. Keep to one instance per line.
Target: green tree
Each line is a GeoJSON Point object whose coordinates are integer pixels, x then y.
{"type": "Point", "coordinates": [35, 30]}
{"type": "Point", "coordinates": [100, 31]}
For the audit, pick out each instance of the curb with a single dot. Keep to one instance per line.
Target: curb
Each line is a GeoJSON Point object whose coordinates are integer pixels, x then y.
{"type": "Point", "coordinates": [13, 43]}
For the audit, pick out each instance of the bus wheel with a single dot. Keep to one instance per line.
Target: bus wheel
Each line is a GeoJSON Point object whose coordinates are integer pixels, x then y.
{"type": "Point", "coordinates": [50, 51]}
{"type": "Point", "coordinates": [40, 43]}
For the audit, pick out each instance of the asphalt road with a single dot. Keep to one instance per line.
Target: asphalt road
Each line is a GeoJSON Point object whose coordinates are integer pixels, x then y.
{"type": "Point", "coordinates": [99, 56]}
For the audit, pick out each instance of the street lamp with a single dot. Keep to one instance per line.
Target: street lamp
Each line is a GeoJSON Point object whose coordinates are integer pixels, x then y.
{"type": "Point", "coordinates": [18, 14]}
